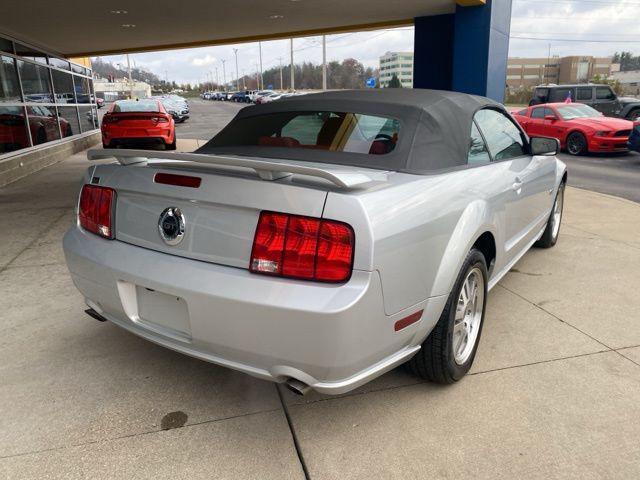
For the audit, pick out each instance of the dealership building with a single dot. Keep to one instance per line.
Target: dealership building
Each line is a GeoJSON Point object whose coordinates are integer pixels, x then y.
{"type": "Point", "coordinates": [47, 108]}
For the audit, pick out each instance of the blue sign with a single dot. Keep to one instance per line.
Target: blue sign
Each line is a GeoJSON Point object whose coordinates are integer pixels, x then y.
{"type": "Point", "coordinates": [371, 82]}
{"type": "Point", "coordinates": [270, 86]}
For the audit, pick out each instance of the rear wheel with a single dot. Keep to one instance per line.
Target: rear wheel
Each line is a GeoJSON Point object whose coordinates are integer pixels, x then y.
{"type": "Point", "coordinates": [634, 115]}
{"type": "Point", "coordinates": [576, 144]}
{"type": "Point", "coordinates": [551, 233]}
{"type": "Point", "coordinates": [448, 352]}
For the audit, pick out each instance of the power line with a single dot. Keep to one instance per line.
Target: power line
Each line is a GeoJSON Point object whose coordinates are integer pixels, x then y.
{"type": "Point", "coordinates": [547, 39]}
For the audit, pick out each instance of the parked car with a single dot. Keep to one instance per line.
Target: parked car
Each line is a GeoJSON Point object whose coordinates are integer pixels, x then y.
{"type": "Point", "coordinates": [634, 138]}
{"type": "Point", "coordinates": [138, 123]}
{"type": "Point", "coordinates": [268, 98]}
{"type": "Point", "coordinates": [269, 248]}
{"type": "Point", "coordinates": [43, 125]}
{"type": "Point", "coordinates": [241, 97]}
{"type": "Point", "coordinates": [259, 93]}
{"type": "Point", "coordinates": [580, 128]}
{"type": "Point", "coordinates": [600, 97]}
{"type": "Point", "coordinates": [178, 111]}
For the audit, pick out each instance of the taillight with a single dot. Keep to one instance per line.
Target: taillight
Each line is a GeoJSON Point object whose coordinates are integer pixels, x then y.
{"type": "Point", "coordinates": [95, 212]}
{"type": "Point", "coordinates": [160, 120]}
{"type": "Point", "coordinates": [302, 247]}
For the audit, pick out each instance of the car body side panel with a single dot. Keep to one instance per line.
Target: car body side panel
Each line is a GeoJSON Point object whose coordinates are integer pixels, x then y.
{"type": "Point", "coordinates": [418, 235]}
{"type": "Point", "coordinates": [418, 229]}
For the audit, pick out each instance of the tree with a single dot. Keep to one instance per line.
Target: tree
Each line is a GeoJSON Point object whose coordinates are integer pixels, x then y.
{"type": "Point", "coordinates": [627, 61]}
{"type": "Point", "coordinates": [394, 82]}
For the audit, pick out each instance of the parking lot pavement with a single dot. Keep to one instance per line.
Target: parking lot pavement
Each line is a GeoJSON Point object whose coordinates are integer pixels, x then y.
{"type": "Point", "coordinates": [554, 392]}
{"type": "Point", "coordinates": [614, 174]}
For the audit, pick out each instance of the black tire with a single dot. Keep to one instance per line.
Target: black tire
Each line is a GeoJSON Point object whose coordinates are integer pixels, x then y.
{"type": "Point", "coordinates": [577, 144]}
{"type": "Point", "coordinates": [435, 360]}
{"type": "Point", "coordinates": [634, 115]}
{"type": "Point", "coordinates": [550, 236]}
{"type": "Point", "coordinates": [171, 146]}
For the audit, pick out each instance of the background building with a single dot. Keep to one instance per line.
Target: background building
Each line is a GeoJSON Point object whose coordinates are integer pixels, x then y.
{"type": "Point", "coordinates": [121, 89]}
{"type": "Point", "coordinates": [398, 63]}
{"type": "Point", "coordinates": [529, 72]}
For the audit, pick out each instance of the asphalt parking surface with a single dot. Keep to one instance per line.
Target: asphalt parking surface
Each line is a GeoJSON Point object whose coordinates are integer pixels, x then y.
{"type": "Point", "coordinates": [554, 392]}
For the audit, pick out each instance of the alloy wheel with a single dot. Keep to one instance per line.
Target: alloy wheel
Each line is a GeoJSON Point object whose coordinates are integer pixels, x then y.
{"type": "Point", "coordinates": [468, 317]}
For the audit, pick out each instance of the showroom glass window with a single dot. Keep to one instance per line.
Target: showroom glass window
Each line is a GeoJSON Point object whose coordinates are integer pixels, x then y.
{"type": "Point", "coordinates": [43, 98]}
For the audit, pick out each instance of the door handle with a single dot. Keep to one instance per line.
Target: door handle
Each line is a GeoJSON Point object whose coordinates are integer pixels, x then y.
{"type": "Point", "coordinates": [517, 186]}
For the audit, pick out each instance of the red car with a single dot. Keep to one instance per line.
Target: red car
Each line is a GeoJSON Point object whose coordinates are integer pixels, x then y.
{"type": "Point", "coordinates": [138, 123]}
{"type": "Point", "coordinates": [579, 128]}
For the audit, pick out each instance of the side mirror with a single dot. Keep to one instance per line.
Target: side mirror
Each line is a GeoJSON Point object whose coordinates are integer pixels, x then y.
{"type": "Point", "coordinates": [551, 118]}
{"type": "Point", "coordinates": [544, 146]}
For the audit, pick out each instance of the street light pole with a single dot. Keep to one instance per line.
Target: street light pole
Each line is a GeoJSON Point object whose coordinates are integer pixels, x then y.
{"type": "Point", "coordinates": [324, 62]}
{"type": "Point", "coordinates": [280, 58]}
{"type": "Point", "coordinates": [292, 73]}
{"type": "Point", "coordinates": [235, 51]}
{"type": "Point", "coordinates": [224, 75]}
{"type": "Point", "coordinates": [130, 80]}
{"type": "Point", "coordinates": [217, 78]}
{"type": "Point", "coordinates": [261, 87]}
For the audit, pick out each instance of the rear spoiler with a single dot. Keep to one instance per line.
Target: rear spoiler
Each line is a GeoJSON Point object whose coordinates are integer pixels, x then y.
{"type": "Point", "coordinates": [341, 176]}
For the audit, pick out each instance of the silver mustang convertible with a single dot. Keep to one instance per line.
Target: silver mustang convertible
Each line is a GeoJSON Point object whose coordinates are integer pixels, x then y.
{"type": "Point", "coordinates": [321, 240]}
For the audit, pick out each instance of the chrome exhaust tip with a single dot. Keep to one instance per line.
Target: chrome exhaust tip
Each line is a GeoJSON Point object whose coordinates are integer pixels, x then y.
{"type": "Point", "coordinates": [297, 387]}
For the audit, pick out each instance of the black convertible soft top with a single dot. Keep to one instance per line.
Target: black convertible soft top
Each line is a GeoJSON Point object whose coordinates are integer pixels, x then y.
{"type": "Point", "coordinates": [435, 128]}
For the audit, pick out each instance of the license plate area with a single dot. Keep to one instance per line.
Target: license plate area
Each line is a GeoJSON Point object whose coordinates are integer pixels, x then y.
{"type": "Point", "coordinates": [166, 314]}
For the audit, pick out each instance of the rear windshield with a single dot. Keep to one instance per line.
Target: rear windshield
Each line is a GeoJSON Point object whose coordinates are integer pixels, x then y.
{"type": "Point", "coordinates": [143, 106]}
{"type": "Point", "coordinates": [320, 130]}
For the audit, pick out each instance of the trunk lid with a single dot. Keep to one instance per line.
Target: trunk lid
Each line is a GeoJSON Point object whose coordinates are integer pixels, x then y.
{"type": "Point", "coordinates": [220, 215]}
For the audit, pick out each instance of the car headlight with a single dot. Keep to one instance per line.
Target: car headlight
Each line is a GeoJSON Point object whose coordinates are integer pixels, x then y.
{"type": "Point", "coordinates": [603, 133]}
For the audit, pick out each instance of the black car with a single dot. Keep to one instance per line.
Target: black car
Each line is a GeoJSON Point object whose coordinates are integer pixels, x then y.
{"type": "Point", "coordinates": [600, 97]}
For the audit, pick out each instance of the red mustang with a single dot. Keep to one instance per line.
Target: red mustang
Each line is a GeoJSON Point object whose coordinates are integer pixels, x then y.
{"type": "Point", "coordinates": [579, 128]}
{"type": "Point", "coordinates": [138, 123]}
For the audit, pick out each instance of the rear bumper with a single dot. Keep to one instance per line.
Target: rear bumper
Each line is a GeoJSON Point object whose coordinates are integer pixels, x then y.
{"type": "Point", "coordinates": [331, 337]}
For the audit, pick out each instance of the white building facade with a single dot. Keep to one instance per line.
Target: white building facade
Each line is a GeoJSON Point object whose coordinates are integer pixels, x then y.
{"type": "Point", "coordinates": [398, 63]}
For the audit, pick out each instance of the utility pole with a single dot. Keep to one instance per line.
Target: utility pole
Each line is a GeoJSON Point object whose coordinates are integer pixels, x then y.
{"type": "Point", "coordinates": [261, 85]}
{"type": "Point", "coordinates": [280, 58]}
{"type": "Point", "coordinates": [235, 51]}
{"type": "Point", "coordinates": [258, 75]}
{"type": "Point", "coordinates": [324, 62]}
{"type": "Point", "coordinates": [292, 73]}
{"type": "Point", "coordinates": [217, 78]}
{"type": "Point", "coordinates": [546, 75]}
{"type": "Point", "coordinates": [130, 79]}
{"type": "Point", "coordinates": [244, 81]}
{"type": "Point", "coordinates": [224, 75]}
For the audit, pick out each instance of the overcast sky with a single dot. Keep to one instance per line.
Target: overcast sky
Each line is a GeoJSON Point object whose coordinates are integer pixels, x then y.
{"type": "Point", "coordinates": [571, 27]}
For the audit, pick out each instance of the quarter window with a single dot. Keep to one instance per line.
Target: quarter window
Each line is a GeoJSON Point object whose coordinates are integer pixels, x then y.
{"type": "Point", "coordinates": [478, 153]}
{"type": "Point", "coordinates": [503, 138]}
{"type": "Point", "coordinates": [604, 93]}
{"type": "Point", "coordinates": [537, 113]}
